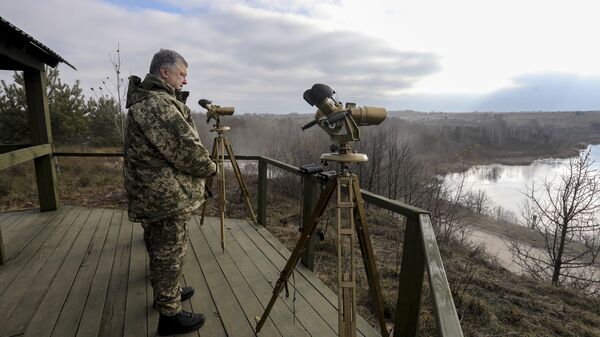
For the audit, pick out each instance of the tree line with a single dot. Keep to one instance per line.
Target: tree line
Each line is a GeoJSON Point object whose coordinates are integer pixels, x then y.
{"type": "Point", "coordinates": [75, 119]}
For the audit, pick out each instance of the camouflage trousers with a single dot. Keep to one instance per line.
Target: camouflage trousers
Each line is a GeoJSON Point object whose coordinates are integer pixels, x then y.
{"type": "Point", "coordinates": [166, 244]}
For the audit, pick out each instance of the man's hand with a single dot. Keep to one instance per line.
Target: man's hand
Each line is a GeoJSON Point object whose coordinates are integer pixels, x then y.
{"type": "Point", "coordinates": [216, 169]}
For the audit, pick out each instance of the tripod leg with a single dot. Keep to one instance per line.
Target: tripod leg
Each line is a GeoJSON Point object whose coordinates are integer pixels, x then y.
{"type": "Point", "coordinates": [345, 257]}
{"type": "Point", "coordinates": [364, 239]}
{"type": "Point", "coordinates": [238, 175]}
{"type": "Point", "coordinates": [221, 181]}
{"type": "Point", "coordinates": [208, 182]}
{"type": "Point", "coordinates": [297, 252]}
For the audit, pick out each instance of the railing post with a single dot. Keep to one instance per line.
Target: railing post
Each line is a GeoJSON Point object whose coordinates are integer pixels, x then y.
{"type": "Point", "coordinates": [262, 191]}
{"type": "Point", "coordinates": [411, 282]}
{"type": "Point", "coordinates": [310, 196]}
{"type": "Point", "coordinates": [39, 120]}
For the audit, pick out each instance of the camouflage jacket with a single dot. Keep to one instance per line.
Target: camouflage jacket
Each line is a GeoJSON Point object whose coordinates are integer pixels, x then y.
{"type": "Point", "coordinates": [165, 162]}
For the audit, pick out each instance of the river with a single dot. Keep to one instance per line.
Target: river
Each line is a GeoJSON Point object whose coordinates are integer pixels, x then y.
{"type": "Point", "coordinates": [506, 185]}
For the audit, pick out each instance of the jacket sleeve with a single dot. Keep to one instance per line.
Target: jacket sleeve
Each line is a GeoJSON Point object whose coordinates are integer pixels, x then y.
{"type": "Point", "coordinates": [178, 141]}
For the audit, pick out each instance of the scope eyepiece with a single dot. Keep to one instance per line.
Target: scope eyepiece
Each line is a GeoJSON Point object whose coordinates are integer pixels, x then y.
{"type": "Point", "coordinates": [317, 94]}
{"type": "Point", "coordinates": [204, 103]}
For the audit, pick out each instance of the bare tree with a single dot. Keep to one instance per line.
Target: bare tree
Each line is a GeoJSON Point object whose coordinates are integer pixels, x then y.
{"type": "Point", "coordinates": [477, 201]}
{"type": "Point", "coordinates": [116, 89]}
{"type": "Point", "coordinates": [564, 215]}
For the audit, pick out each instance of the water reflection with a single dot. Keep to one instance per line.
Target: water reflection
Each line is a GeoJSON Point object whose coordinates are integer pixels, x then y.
{"type": "Point", "coordinates": [491, 174]}
{"type": "Point", "coordinates": [505, 185]}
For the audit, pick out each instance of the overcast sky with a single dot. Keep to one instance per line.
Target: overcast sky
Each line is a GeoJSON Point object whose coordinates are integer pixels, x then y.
{"type": "Point", "coordinates": [260, 55]}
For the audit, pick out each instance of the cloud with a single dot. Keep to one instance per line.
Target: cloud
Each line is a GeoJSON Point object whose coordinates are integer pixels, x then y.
{"type": "Point", "coordinates": [254, 56]}
{"type": "Point", "coordinates": [549, 91]}
{"type": "Point", "coordinates": [529, 92]}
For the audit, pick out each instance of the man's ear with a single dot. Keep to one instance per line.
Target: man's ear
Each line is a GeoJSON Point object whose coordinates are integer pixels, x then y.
{"type": "Point", "coordinates": [164, 72]}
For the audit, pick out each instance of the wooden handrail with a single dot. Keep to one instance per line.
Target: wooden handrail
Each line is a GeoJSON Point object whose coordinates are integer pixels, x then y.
{"type": "Point", "coordinates": [443, 305]}
{"type": "Point", "coordinates": [16, 157]}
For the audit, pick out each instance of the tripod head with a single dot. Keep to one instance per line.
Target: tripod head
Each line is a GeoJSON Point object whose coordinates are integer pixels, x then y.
{"type": "Point", "coordinates": [340, 122]}
{"type": "Point", "coordinates": [215, 111]}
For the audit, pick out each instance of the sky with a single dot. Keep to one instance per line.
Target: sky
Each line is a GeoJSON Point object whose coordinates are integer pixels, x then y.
{"type": "Point", "coordinates": [260, 55]}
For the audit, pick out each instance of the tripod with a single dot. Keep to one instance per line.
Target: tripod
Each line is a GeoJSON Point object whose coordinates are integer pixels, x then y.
{"type": "Point", "coordinates": [350, 212]}
{"type": "Point", "coordinates": [220, 145]}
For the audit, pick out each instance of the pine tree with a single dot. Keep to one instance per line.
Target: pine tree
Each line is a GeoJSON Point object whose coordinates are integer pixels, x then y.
{"type": "Point", "coordinates": [14, 119]}
{"type": "Point", "coordinates": [104, 117]}
{"type": "Point", "coordinates": [66, 104]}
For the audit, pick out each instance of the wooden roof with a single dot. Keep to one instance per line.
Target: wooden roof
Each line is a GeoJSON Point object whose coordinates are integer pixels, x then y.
{"type": "Point", "coordinates": [20, 42]}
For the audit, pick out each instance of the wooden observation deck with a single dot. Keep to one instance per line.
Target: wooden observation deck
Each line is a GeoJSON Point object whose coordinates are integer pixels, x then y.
{"type": "Point", "coordinates": [84, 272]}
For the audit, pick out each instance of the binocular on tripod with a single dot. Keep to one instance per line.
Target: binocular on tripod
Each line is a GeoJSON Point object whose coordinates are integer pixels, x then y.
{"type": "Point", "coordinates": [215, 111]}
{"type": "Point", "coordinates": [340, 122]}
{"type": "Point", "coordinates": [222, 148]}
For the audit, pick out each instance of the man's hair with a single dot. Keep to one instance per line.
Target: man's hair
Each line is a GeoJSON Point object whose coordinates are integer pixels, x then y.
{"type": "Point", "coordinates": [165, 58]}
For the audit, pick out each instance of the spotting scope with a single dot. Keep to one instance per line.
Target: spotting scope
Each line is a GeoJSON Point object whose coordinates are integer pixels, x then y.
{"type": "Point", "coordinates": [335, 118]}
{"type": "Point", "coordinates": [215, 111]}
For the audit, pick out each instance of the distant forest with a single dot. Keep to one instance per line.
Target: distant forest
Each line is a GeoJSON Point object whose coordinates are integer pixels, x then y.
{"type": "Point", "coordinates": [444, 139]}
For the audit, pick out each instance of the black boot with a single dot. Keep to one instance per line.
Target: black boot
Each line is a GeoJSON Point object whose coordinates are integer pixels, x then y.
{"type": "Point", "coordinates": [183, 322]}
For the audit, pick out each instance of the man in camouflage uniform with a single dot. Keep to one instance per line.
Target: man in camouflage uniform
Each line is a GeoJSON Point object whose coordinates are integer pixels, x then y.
{"type": "Point", "coordinates": [165, 168]}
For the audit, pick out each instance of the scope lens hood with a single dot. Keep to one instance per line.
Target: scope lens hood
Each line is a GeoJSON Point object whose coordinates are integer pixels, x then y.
{"type": "Point", "coordinates": [204, 102]}
{"type": "Point", "coordinates": [319, 92]}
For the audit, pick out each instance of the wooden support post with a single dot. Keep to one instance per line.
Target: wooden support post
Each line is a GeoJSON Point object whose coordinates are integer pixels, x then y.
{"type": "Point", "coordinates": [262, 192]}
{"type": "Point", "coordinates": [411, 282]}
{"type": "Point", "coordinates": [309, 201]}
{"type": "Point", "coordinates": [39, 120]}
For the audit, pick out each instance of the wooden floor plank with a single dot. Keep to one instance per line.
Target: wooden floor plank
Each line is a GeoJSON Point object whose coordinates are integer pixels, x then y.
{"type": "Point", "coordinates": [67, 293]}
{"type": "Point", "coordinates": [94, 306]}
{"type": "Point", "coordinates": [151, 313]}
{"type": "Point", "coordinates": [24, 295]}
{"type": "Point", "coordinates": [241, 289]}
{"type": "Point", "coordinates": [310, 283]}
{"type": "Point", "coordinates": [304, 306]}
{"type": "Point", "coordinates": [4, 216]}
{"type": "Point", "coordinates": [45, 243]}
{"type": "Point", "coordinates": [260, 286]}
{"type": "Point", "coordinates": [113, 314]}
{"type": "Point", "coordinates": [187, 306]}
{"type": "Point", "coordinates": [16, 216]}
{"type": "Point", "coordinates": [363, 326]}
{"type": "Point", "coordinates": [229, 309]}
{"type": "Point", "coordinates": [72, 310]}
{"type": "Point", "coordinates": [135, 310]}
{"type": "Point", "coordinates": [202, 300]}
{"type": "Point", "coordinates": [8, 220]}
{"type": "Point", "coordinates": [27, 223]}
{"type": "Point", "coordinates": [17, 240]}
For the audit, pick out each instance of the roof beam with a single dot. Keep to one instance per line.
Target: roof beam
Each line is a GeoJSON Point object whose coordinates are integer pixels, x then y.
{"type": "Point", "coordinates": [20, 57]}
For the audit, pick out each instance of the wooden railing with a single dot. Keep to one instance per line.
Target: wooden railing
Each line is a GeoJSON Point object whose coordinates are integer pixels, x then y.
{"type": "Point", "coordinates": [420, 249]}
